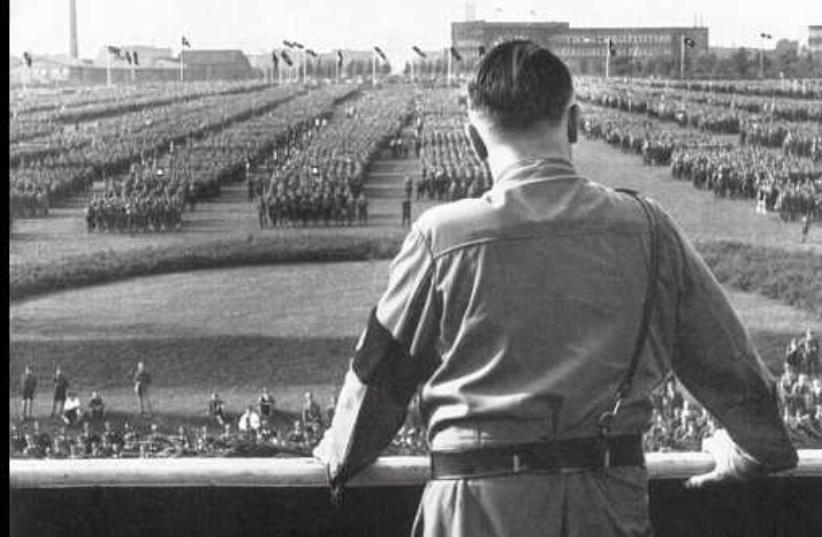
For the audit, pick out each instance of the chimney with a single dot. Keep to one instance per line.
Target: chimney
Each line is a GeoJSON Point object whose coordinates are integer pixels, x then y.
{"type": "Point", "coordinates": [73, 29]}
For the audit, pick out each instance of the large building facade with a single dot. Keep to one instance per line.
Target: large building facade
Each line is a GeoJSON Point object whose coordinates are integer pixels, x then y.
{"type": "Point", "coordinates": [584, 49]}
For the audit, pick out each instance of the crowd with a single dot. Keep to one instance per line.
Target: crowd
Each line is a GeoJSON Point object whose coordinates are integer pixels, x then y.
{"type": "Point", "coordinates": [450, 169]}
{"type": "Point", "coordinates": [68, 159]}
{"type": "Point", "coordinates": [259, 430]}
{"type": "Point", "coordinates": [795, 139]}
{"type": "Point", "coordinates": [316, 177]}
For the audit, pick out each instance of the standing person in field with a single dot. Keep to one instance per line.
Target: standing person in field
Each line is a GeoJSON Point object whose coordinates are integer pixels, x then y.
{"type": "Point", "coordinates": [806, 225]}
{"type": "Point", "coordinates": [406, 212]}
{"type": "Point", "coordinates": [28, 385]}
{"type": "Point", "coordinates": [538, 319]}
{"type": "Point", "coordinates": [61, 384]}
{"type": "Point", "coordinates": [142, 382]}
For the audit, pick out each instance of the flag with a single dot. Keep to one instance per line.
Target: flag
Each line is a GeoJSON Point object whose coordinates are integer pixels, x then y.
{"type": "Point", "coordinates": [289, 44]}
{"type": "Point", "coordinates": [274, 59]}
{"type": "Point", "coordinates": [481, 50]}
{"type": "Point", "coordinates": [416, 49]}
{"type": "Point", "coordinates": [456, 54]}
{"type": "Point", "coordinates": [27, 58]}
{"type": "Point", "coordinates": [185, 42]}
{"type": "Point", "coordinates": [128, 57]}
{"type": "Point", "coordinates": [114, 50]}
{"type": "Point", "coordinates": [380, 53]}
{"type": "Point", "coordinates": [134, 57]}
{"type": "Point", "coordinates": [763, 35]}
{"type": "Point", "coordinates": [339, 59]}
{"type": "Point", "coordinates": [286, 58]}
{"type": "Point", "coordinates": [311, 53]}
{"type": "Point", "coordinates": [612, 48]}
{"type": "Point", "coordinates": [689, 42]}
{"type": "Point", "coordinates": [297, 45]}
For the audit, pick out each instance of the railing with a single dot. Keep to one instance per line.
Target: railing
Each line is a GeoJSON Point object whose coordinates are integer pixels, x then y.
{"type": "Point", "coordinates": [296, 472]}
{"type": "Point", "coordinates": [236, 496]}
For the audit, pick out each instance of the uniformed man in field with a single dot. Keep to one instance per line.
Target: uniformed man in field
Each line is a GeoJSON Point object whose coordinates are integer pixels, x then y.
{"type": "Point", "coordinates": [142, 382]}
{"type": "Point", "coordinates": [28, 385]}
{"type": "Point", "coordinates": [538, 319]}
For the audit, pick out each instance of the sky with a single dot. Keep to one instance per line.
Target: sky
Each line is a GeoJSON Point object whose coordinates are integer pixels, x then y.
{"type": "Point", "coordinates": [255, 26]}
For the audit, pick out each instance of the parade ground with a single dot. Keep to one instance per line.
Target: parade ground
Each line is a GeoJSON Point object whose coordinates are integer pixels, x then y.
{"type": "Point", "coordinates": [291, 328]}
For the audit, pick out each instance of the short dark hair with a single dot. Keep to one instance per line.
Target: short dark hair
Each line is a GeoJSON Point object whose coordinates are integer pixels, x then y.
{"type": "Point", "coordinates": [519, 83]}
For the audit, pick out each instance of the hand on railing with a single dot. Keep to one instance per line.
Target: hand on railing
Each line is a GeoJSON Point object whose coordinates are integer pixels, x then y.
{"type": "Point", "coordinates": [731, 463]}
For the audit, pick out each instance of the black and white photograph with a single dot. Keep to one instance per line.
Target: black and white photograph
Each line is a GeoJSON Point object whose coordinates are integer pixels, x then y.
{"type": "Point", "coordinates": [469, 268]}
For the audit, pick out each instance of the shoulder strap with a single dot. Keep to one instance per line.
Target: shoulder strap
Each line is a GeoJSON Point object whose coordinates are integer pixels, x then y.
{"type": "Point", "coordinates": [650, 293]}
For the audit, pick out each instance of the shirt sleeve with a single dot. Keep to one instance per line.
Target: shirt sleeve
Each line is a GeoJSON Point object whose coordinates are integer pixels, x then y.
{"type": "Point", "coordinates": [396, 352]}
{"type": "Point", "coordinates": [716, 361]}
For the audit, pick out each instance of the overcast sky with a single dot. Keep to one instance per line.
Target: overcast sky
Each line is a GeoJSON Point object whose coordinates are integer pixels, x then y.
{"type": "Point", "coordinates": [255, 26]}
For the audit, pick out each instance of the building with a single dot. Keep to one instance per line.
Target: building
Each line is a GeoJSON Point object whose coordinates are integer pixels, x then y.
{"type": "Point", "coordinates": [217, 65]}
{"type": "Point", "coordinates": [814, 42]}
{"type": "Point", "coordinates": [583, 49]}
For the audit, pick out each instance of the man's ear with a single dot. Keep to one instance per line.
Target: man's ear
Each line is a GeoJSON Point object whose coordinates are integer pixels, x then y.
{"type": "Point", "coordinates": [573, 124]}
{"type": "Point", "coordinates": [476, 141]}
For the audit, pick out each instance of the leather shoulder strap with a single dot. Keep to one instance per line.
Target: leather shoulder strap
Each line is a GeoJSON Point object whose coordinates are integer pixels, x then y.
{"type": "Point", "coordinates": [650, 292]}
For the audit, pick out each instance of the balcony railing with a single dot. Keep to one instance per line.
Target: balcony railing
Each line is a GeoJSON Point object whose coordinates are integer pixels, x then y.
{"type": "Point", "coordinates": [235, 496]}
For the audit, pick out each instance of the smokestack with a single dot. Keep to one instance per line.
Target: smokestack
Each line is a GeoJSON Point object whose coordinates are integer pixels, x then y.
{"type": "Point", "coordinates": [470, 10]}
{"type": "Point", "coordinates": [73, 29]}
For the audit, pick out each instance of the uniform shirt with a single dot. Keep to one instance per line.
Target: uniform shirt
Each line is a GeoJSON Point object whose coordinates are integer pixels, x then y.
{"type": "Point", "coordinates": [518, 311]}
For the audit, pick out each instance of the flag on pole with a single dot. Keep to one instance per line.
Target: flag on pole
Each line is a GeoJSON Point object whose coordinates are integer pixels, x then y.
{"type": "Point", "coordinates": [456, 54]}
{"type": "Point", "coordinates": [612, 51]}
{"type": "Point", "coordinates": [274, 59]}
{"type": "Point", "coordinates": [289, 44]}
{"type": "Point", "coordinates": [689, 42]}
{"type": "Point", "coordinates": [339, 59]}
{"type": "Point", "coordinates": [27, 58]}
{"type": "Point", "coordinates": [297, 45]}
{"type": "Point", "coordinates": [286, 58]}
{"type": "Point", "coordinates": [380, 53]}
{"type": "Point", "coordinates": [311, 53]}
{"type": "Point", "coordinates": [128, 57]}
{"type": "Point", "coordinates": [134, 57]}
{"type": "Point", "coordinates": [185, 42]}
{"type": "Point", "coordinates": [416, 49]}
{"type": "Point", "coordinates": [115, 51]}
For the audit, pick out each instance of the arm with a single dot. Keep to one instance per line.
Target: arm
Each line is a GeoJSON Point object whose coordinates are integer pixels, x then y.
{"type": "Point", "coordinates": [394, 354]}
{"type": "Point", "coordinates": [715, 360]}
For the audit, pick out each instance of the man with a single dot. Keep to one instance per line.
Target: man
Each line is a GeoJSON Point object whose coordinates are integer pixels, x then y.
{"type": "Point", "coordinates": [311, 414]}
{"type": "Point", "coordinates": [266, 404]}
{"type": "Point", "coordinates": [249, 421]}
{"type": "Point", "coordinates": [406, 212]}
{"type": "Point", "coordinates": [142, 381]}
{"type": "Point", "coordinates": [811, 351]}
{"type": "Point", "coordinates": [28, 385]}
{"type": "Point", "coordinates": [61, 384]}
{"type": "Point", "coordinates": [96, 407]}
{"type": "Point", "coordinates": [523, 314]}
{"type": "Point", "coordinates": [71, 410]}
{"type": "Point", "coordinates": [216, 409]}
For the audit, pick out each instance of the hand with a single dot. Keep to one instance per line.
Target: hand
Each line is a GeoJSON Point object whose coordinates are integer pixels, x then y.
{"type": "Point", "coordinates": [732, 464]}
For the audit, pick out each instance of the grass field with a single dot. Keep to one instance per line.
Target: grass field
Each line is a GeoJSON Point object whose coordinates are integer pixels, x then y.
{"type": "Point", "coordinates": [290, 328]}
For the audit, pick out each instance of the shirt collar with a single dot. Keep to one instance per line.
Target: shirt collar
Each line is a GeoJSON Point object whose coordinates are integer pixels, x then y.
{"type": "Point", "coordinates": [536, 168]}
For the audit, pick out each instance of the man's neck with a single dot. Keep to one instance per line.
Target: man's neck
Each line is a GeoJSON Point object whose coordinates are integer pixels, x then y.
{"type": "Point", "coordinates": [502, 158]}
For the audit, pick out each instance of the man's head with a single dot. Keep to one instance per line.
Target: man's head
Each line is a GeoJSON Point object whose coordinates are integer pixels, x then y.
{"type": "Point", "coordinates": [520, 90]}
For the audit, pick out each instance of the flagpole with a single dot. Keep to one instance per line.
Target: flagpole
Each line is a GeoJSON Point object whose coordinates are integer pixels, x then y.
{"type": "Point", "coordinates": [412, 70]}
{"type": "Point", "coordinates": [448, 52]}
{"type": "Point", "coordinates": [108, 69]}
{"type": "Point", "coordinates": [682, 58]}
{"type": "Point", "coordinates": [181, 63]}
{"type": "Point", "coordinates": [374, 68]}
{"type": "Point", "coordinates": [607, 59]}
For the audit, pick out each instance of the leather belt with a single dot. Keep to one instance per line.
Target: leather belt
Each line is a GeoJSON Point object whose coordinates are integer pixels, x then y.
{"type": "Point", "coordinates": [550, 456]}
